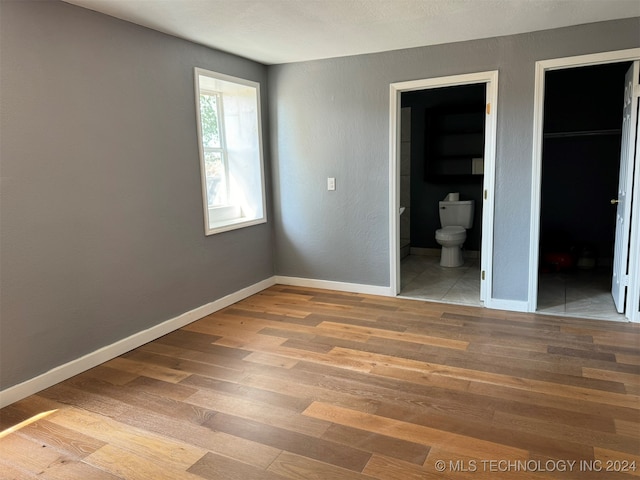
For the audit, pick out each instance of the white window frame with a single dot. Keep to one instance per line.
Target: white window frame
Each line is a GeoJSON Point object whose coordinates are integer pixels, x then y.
{"type": "Point", "coordinates": [222, 149]}
{"type": "Point", "coordinates": [246, 207]}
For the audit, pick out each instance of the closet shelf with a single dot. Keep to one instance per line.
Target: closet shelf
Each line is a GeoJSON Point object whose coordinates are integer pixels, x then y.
{"type": "Point", "coordinates": [583, 133]}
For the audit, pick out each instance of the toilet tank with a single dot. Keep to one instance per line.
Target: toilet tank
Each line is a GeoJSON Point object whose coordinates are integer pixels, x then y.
{"type": "Point", "coordinates": [456, 213]}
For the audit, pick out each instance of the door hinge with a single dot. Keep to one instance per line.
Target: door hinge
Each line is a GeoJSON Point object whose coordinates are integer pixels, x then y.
{"type": "Point", "coordinates": [488, 109]}
{"type": "Point", "coordinates": [483, 275]}
{"type": "Point", "coordinates": [486, 194]}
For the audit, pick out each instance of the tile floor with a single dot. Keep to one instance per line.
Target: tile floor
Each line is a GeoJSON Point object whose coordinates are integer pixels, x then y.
{"type": "Point", "coordinates": [578, 293]}
{"type": "Point", "coordinates": [581, 293]}
{"type": "Point", "coordinates": [422, 277]}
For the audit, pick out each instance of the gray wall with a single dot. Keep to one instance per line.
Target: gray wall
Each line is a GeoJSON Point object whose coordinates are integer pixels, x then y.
{"type": "Point", "coordinates": [331, 118]}
{"type": "Point", "coordinates": [102, 229]}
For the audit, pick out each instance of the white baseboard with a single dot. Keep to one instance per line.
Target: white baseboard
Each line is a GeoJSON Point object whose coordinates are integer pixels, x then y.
{"type": "Point", "coordinates": [511, 305]}
{"type": "Point", "coordinates": [497, 304]}
{"type": "Point", "coordinates": [104, 354]}
{"type": "Point", "coordinates": [331, 285]}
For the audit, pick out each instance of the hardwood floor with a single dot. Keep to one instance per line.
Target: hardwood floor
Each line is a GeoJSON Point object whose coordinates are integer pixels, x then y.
{"type": "Point", "coordinates": [299, 383]}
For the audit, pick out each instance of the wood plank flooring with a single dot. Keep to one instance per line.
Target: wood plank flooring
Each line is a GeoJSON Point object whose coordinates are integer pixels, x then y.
{"type": "Point", "coordinates": [300, 383]}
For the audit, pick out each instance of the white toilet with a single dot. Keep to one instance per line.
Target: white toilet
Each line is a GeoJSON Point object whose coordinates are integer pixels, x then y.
{"type": "Point", "coordinates": [456, 217]}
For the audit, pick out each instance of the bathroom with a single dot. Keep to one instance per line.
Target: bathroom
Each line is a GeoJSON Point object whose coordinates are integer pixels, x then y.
{"type": "Point", "coordinates": [442, 135]}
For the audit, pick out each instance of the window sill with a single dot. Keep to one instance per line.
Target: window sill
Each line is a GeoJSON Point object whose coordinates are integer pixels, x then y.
{"type": "Point", "coordinates": [222, 219]}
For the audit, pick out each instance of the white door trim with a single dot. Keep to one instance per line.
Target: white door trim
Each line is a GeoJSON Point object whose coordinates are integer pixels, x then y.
{"type": "Point", "coordinates": [536, 176]}
{"type": "Point", "coordinates": [621, 252]}
{"type": "Point", "coordinates": [633, 290]}
{"type": "Point", "coordinates": [491, 79]}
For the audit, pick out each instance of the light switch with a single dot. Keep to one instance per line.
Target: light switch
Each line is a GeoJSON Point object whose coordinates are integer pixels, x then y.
{"type": "Point", "coordinates": [331, 183]}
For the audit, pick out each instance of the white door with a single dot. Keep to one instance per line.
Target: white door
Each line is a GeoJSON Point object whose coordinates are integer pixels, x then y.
{"type": "Point", "coordinates": [625, 187]}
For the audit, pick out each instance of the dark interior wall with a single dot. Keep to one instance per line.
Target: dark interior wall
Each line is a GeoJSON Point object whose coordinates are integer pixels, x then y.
{"type": "Point", "coordinates": [581, 156]}
{"type": "Point", "coordinates": [428, 190]}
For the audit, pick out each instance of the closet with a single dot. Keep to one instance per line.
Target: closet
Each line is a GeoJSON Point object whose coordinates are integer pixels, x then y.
{"type": "Point", "coordinates": [580, 165]}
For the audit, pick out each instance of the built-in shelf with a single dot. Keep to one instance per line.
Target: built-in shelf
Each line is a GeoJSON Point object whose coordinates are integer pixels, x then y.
{"type": "Point", "coordinates": [454, 141]}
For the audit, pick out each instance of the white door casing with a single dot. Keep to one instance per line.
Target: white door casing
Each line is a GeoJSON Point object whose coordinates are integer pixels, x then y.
{"type": "Point", "coordinates": [630, 55]}
{"type": "Point", "coordinates": [632, 310]}
{"type": "Point", "coordinates": [620, 279]}
{"type": "Point", "coordinates": [490, 78]}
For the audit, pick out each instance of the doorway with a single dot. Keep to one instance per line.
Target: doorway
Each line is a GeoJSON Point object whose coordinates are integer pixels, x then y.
{"type": "Point", "coordinates": [577, 144]}
{"type": "Point", "coordinates": [442, 151]}
{"type": "Point", "coordinates": [580, 170]}
{"type": "Point", "coordinates": [433, 99]}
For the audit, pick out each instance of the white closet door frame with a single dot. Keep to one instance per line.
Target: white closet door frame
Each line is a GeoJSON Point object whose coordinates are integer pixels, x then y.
{"type": "Point", "coordinates": [542, 67]}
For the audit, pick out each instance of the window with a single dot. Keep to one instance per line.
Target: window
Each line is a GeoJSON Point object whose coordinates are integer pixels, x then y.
{"type": "Point", "coordinates": [230, 144]}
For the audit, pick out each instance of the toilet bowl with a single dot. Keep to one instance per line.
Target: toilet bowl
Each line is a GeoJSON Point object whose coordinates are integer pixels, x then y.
{"type": "Point", "coordinates": [456, 217]}
{"type": "Point", "coordinates": [451, 238]}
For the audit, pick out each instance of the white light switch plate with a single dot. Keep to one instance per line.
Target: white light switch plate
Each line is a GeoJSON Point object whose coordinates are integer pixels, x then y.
{"type": "Point", "coordinates": [331, 183]}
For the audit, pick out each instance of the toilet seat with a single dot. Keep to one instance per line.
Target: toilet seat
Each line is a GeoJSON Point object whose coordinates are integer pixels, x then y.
{"type": "Point", "coordinates": [451, 233]}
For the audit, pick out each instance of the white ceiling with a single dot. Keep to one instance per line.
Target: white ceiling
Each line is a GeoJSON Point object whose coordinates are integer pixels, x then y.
{"type": "Point", "coordinates": [283, 31]}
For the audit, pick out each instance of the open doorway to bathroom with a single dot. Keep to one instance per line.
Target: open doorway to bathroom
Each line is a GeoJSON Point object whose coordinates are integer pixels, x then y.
{"type": "Point", "coordinates": [489, 81]}
{"type": "Point", "coordinates": [581, 145]}
{"type": "Point", "coordinates": [442, 144]}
